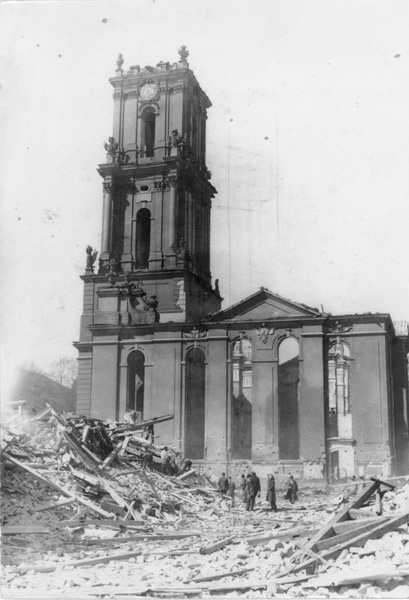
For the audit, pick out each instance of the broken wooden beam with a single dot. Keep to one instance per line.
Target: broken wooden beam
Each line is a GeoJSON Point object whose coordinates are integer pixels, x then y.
{"type": "Point", "coordinates": [344, 537]}
{"type": "Point", "coordinates": [389, 485]}
{"type": "Point", "coordinates": [77, 563]}
{"type": "Point", "coordinates": [36, 475]}
{"type": "Point", "coordinates": [111, 457]}
{"type": "Point", "coordinates": [220, 575]}
{"type": "Point", "coordinates": [186, 474]}
{"type": "Point", "coordinates": [342, 515]}
{"type": "Point", "coordinates": [138, 538]}
{"type": "Point", "coordinates": [355, 524]}
{"type": "Point", "coordinates": [24, 529]}
{"type": "Point", "coordinates": [357, 541]}
{"type": "Point", "coordinates": [52, 505]}
{"type": "Point", "coordinates": [217, 545]}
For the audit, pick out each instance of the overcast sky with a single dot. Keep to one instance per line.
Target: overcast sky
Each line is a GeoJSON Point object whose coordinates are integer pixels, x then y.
{"type": "Point", "coordinates": [308, 143]}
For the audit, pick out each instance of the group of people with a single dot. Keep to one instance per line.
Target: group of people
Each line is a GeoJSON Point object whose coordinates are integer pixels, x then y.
{"type": "Point", "coordinates": [168, 458]}
{"type": "Point", "coordinates": [250, 488]}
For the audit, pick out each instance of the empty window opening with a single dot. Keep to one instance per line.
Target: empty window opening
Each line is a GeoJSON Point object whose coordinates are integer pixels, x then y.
{"type": "Point", "coordinates": [143, 238]}
{"type": "Point", "coordinates": [136, 380]}
{"type": "Point", "coordinates": [242, 392]}
{"type": "Point", "coordinates": [148, 132]}
{"type": "Point", "coordinates": [288, 392]}
{"type": "Point", "coordinates": [339, 404]}
{"type": "Point", "coordinates": [195, 404]}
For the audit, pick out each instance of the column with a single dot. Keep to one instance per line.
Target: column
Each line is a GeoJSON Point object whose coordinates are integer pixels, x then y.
{"type": "Point", "coordinates": [172, 208]}
{"type": "Point", "coordinates": [106, 219]}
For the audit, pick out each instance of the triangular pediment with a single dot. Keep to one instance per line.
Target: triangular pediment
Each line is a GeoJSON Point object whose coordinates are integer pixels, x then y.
{"type": "Point", "coordinates": [264, 305]}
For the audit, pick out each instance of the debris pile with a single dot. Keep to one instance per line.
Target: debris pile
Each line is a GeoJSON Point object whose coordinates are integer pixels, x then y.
{"type": "Point", "coordinates": [86, 514]}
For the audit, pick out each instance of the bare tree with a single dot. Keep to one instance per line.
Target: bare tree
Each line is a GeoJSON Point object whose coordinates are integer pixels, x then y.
{"type": "Point", "coordinates": [63, 371]}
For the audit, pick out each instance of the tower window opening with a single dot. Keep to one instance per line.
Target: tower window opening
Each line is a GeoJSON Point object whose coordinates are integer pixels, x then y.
{"type": "Point", "coordinates": [143, 238]}
{"type": "Point", "coordinates": [148, 132]}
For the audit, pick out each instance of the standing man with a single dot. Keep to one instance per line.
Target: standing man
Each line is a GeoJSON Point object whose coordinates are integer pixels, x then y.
{"type": "Point", "coordinates": [271, 492]}
{"type": "Point", "coordinates": [292, 489]}
{"type": "Point", "coordinates": [257, 484]}
{"type": "Point", "coordinates": [251, 492]}
{"type": "Point", "coordinates": [223, 484]}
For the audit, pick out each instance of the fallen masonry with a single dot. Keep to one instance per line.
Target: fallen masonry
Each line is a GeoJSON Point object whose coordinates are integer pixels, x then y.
{"type": "Point", "coordinates": [89, 511]}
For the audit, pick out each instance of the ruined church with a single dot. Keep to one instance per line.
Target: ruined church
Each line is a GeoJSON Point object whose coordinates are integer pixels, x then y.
{"type": "Point", "coordinates": [268, 382]}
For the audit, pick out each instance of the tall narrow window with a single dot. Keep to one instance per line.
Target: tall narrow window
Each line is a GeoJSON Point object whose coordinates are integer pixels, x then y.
{"type": "Point", "coordinates": [136, 380]}
{"type": "Point", "coordinates": [339, 405]}
{"type": "Point", "coordinates": [195, 404]}
{"type": "Point", "coordinates": [148, 131]}
{"type": "Point", "coordinates": [242, 388]}
{"type": "Point", "coordinates": [288, 383]}
{"type": "Point", "coordinates": [143, 238]}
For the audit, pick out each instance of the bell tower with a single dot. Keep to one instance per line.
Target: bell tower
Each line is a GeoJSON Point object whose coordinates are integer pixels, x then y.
{"type": "Point", "coordinates": [157, 193]}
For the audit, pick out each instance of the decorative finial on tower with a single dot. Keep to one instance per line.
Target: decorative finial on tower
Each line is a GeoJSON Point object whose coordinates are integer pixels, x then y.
{"type": "Point", "coordinates": [119, 63]}
{"type": "Point", "coordinates": [183, 53]}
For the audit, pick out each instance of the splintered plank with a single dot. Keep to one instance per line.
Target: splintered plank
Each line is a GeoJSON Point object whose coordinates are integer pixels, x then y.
{"type": "Point", "coordinates": [358, 541]}
{"type": "Point", "coordinates": [139, 538]}
{"type": "Point", "coordinates": [36, 475]}
{"type": "Point", "coordinates": [217, 545]}
{"type": "Point", "coordinates": [348, 535]}
{"type": "Point", "coordinates": [119, 500]}
{"type": "Point", "coordinates": [77, 563]}
{"type": "Point", "coordinates": [186, 474]}
{"type": "Point", "coordinates": [342, 515]}
{"type": "Point", "coordinates": [111, 457]}
{"type": "Point", "coordinates": [52, 505]}
{"type": "Point", "coordinates": [221, 575]}
{"type": "Point", "coordinates": [355, 524]}
{"type": "Point", "coordinates": [23, 529]}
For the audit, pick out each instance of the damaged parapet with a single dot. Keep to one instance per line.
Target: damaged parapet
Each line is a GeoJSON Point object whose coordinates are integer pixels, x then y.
{"type": "Point", "coordinates": [127, 301]}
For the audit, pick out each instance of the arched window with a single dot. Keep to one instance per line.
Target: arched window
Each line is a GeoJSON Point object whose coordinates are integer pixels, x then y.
{"type": "Point", "coordinates": [143, 238]}
{"type": "Point", "coordinates": [195, 404]}
{"type": "Point", "coordinates": [148, 131]}
{"type": "Point", "coordinates": [288, 384]}
{"type": "Point", "coordinates": [242, 392]}
{"type": "Point", "coordinates": [339, 405]}
{"type": "Point", "coordinates": [136, 380]}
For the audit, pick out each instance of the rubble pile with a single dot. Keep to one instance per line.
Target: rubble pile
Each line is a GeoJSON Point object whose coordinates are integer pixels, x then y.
{"type": "Point", "coordinates": [90, 511]}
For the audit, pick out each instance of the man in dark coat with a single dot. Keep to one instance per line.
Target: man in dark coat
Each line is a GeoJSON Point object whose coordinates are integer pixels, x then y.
{"type": "Point", "coordinates": [251, 492]}
{"type": "Point", "coordinates": [271, 492]}
{"type": "Point", "coordinates": [257, 483]}
{"type": "Point", "coordinates": [223, 484]}
{"type": "Point", "coordinates": [292, 489]}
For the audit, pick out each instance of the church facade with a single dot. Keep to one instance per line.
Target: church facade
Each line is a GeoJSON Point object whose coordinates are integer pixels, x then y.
{"type": "Point", "coordinates": [268, 383]}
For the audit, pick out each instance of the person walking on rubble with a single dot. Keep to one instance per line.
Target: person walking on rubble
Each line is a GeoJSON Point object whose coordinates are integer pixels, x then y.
{"type": "Point", "coordinates": [223, 484]}
{"type": "Point", "coordinates": [292, 489]}
{"type": "Point", "coordinates": [231, 490]}
{"type": "Point", "coordinates": [271, 492]}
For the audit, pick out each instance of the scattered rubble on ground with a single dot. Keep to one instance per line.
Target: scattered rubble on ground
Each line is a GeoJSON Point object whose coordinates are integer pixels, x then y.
{"type": "Point", "coordinates": [88, 512]}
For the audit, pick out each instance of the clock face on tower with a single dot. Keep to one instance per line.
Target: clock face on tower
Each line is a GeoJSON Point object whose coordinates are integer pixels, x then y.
{"type": "Point", "coordinates": [148, 91]}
